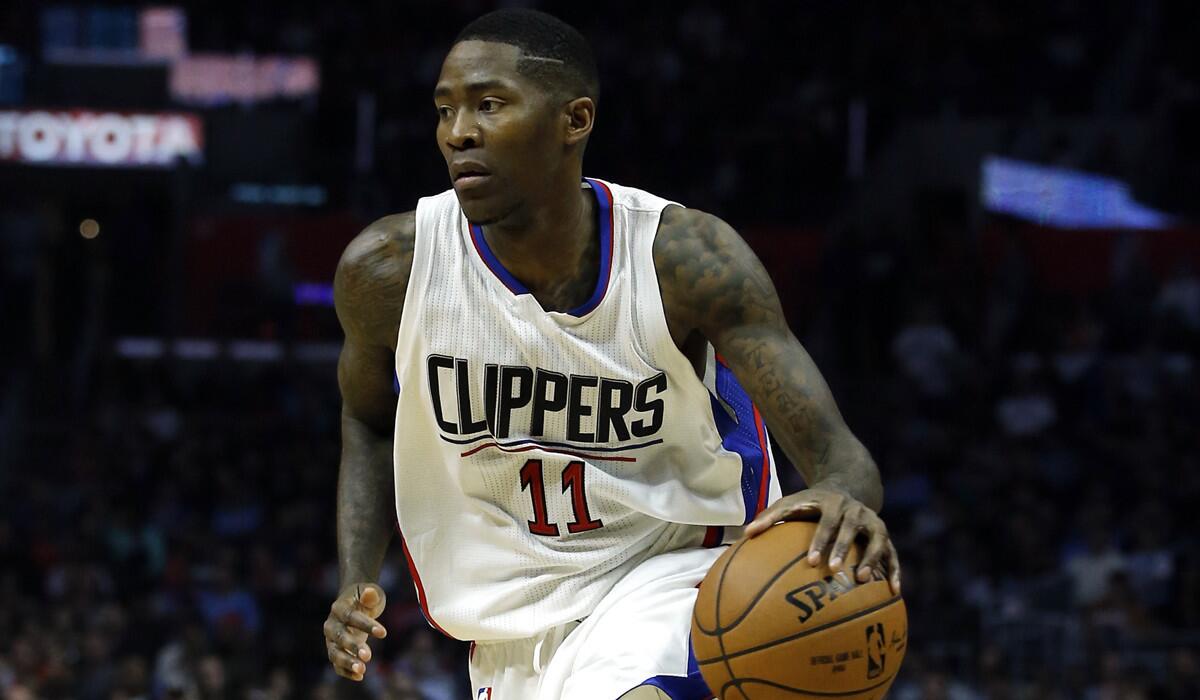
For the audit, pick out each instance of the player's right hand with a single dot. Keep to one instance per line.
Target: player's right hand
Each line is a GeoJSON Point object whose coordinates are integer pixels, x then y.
{"type": "Point", "coordinates": [351, 621]}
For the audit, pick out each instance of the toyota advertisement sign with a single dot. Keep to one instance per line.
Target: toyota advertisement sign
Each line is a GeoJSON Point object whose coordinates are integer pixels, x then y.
{"type": "Point", "coordinates": [100, 139]}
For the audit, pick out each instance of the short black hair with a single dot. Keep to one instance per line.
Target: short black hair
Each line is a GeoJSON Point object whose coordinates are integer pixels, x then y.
{"type": "Point", "coordinates": [553, 52]}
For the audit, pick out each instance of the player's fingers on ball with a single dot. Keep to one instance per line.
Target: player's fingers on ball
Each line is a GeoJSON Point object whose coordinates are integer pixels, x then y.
{"type": "Point", "coordinates": [826, 528]}
{"type": "Point", "coordinates": [872, 556]}
{"type": "Point", "coordinates": [763, 521]}
{"type": "Point", "coordinates": [850, 527]}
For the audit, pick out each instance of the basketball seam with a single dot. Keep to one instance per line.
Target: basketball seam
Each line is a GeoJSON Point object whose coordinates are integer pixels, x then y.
{"type": "Point", "coordinates": [874, 608]}
{"type": "Point", "coordinates": [720, 580]}
{"type": "Point", "coordinates": [824, 694]}
{"type": "Point", "coordinates": [717, 619]}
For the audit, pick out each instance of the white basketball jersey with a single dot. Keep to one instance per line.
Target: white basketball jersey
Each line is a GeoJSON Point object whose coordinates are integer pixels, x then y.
{"type": "Point", "coordinates": [539, 456]}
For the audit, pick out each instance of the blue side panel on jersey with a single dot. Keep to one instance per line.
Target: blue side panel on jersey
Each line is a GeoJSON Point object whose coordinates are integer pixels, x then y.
{"type": "Point", "coordinates": [395, 382]}
{"type": "Point", "coordinates": [689, 687]}
{"type": "Point", "coordinates": [739, 434]}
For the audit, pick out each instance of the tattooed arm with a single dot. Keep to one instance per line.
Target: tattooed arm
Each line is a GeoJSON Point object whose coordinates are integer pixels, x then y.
{"type": "Point", "coordinates": [715, 289]}
{"type": "Point", "coordinates": [369, 289]}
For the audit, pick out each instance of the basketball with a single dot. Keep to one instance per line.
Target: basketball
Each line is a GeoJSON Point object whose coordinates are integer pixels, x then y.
{"type": "Point", "coordinates": [768, 625]}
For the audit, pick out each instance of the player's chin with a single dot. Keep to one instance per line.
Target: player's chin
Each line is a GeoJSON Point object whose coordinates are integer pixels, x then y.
{"type": "Point", "coordinates": [480, 213]}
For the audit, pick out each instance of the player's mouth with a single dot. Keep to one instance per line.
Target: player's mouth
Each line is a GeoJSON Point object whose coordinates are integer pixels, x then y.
{"type": "Point", "coordinates": [469, 174]}
{"type": "Point", "coordinates": [470, 180]}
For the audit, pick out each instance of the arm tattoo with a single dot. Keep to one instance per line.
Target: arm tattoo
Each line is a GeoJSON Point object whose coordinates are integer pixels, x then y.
{"type": "Point", "coordinates": [372, 277]}
{"type": "Point", "coordinates": [713, 284]}
{"type": "Point", "coordinates": [369, 289]}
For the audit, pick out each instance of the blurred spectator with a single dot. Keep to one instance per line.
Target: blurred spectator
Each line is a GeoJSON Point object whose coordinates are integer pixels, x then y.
{"type": "Point", "coordinates": [1029, 409]}
{"type": "Point", "coordinates": [927, 352]}
{"type": "Point", "coordinates": [1091, 570]}
{"type": "Point", "coordinates": [228, 609]}
{"type": "Point", "coordinates": [1179, 298]}
{"type": "Point", "coordinates": [422, 664]}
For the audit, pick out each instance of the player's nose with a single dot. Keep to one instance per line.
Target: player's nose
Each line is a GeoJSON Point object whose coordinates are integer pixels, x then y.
{"type": "Point", "coordinates": [464, 131]}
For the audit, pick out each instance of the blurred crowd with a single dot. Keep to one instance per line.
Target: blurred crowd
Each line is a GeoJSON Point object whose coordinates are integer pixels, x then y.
{"type": "Point", "coordinates": [1040, 459]}
{"type": "Point", "coordinates": [167, 525]}
{"type": "Point", "coordinates": [176, 541]}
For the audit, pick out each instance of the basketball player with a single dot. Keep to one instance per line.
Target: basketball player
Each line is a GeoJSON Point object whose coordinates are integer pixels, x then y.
{"type": "Point", "coordinates": [574, 434]}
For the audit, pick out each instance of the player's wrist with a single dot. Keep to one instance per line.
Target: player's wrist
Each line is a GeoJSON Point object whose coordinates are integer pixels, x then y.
{"type": "Point", "coordinates": [832, 483]}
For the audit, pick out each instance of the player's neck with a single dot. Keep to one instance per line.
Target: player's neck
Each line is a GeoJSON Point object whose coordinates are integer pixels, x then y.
{"type": "Point", "coordinates": [544, 244]}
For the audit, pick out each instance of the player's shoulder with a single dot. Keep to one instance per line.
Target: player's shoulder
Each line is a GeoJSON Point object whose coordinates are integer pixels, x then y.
{"type": "Point", "coordinates": [702, 264]}
{"type": "Point", "coordinates": [684, 233]}
{"type": "Point", "coordinates": [386, 238]}
{"type": "Point", "coordinates": [372, 274]}
{"type": "Point", "coordinates": [381, 252]}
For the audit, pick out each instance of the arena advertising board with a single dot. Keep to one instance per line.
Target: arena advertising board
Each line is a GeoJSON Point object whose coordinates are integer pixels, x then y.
{"type": "Point", "coordinates": [100, 139]}
{"type": "Point", "coordinates": [217, 79]}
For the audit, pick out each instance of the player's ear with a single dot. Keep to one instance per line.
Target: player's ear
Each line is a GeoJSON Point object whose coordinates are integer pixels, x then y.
{"type": "Point", "coordinates": [579, 115]}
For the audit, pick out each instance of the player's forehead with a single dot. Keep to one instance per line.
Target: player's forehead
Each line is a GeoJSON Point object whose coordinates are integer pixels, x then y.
{"type": "Point", "coordinates": [473, 64]}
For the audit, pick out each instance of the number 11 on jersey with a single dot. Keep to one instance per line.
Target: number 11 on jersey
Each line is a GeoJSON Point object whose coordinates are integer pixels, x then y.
{"type": "Point", "coordinates": [572, 480]}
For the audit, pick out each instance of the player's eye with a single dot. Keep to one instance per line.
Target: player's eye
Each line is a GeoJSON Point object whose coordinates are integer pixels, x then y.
{"type": "Point", "coordinates": [489, 105]}
{"type": "Point", "coordinates": [443, 112]}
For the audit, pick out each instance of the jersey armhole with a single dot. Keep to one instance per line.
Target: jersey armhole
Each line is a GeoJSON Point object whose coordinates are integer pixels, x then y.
{"type": "Point", "coordinates": [418, 279]}
{"type": "Point", "coordinates": [664, 351]}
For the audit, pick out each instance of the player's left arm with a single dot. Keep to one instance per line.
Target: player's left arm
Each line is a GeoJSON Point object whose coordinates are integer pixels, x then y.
{"type": "Point", "coordinates": [713, 285]}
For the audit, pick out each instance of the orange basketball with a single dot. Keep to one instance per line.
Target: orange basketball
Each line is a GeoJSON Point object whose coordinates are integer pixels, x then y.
{"type": "Point", "coordinates": [768, 625]}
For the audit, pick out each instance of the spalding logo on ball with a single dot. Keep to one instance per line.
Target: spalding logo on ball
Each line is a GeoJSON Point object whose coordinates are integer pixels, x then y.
{"type": "Point", "coordinates": [768, 625]}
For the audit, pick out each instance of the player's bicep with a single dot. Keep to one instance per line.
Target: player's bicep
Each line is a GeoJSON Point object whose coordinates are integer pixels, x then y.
{"type": "Point", "coordinates": [712, 282]}
{"type": "Point", "coordinates": [369, 287]}
{"type": "Point", "coordinates": [367, 383]}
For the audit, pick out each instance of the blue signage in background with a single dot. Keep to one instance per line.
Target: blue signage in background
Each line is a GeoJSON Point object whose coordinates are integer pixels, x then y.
{"type": "Point", "coordinates": [93, 34]}
{"type": "Point", "coordinates": [1061, 197]}
{"type": "Point", "coordinates": [12, 76]}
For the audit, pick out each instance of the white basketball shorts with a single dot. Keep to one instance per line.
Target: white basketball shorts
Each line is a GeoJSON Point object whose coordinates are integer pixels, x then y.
{"type": "Point", "coordinates": [639, 634]}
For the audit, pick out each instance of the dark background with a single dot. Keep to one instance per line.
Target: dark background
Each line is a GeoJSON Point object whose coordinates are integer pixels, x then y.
{"type": "Point", "coordinates": [168, 405]}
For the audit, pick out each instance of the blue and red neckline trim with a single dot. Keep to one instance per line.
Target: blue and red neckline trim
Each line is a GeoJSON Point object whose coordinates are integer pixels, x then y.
{"type": "Point", "coordinates": [604, 202]}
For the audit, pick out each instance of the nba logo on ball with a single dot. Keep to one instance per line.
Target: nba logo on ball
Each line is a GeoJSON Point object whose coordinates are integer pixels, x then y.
{"type": "Point", "coordinates": [876, 642]}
